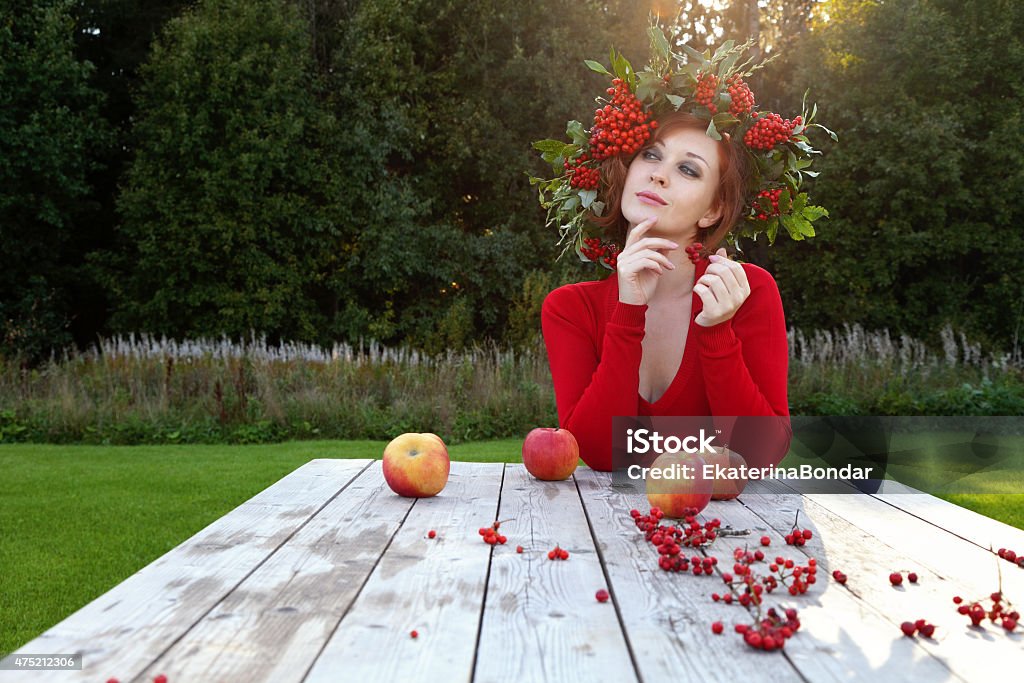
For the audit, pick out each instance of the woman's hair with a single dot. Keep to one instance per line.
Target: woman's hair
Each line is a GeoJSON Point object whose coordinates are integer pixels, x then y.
{"type": "Point", "coordinates": [732, 183]}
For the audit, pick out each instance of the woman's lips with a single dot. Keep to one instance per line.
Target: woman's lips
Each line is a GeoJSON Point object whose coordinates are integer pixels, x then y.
{"type": "Point", "coordinates": [650, 198]}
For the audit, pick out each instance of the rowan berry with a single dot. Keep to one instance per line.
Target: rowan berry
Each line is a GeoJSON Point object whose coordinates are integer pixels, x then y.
{"type": "Point", "coordinates": [896, 578]}
{"type": "Point", "coordinates": [927, 630]}
{"type": "Point", "coordinates": [431, 534]}
{"type": "Point", "coordinates": [601, 595]}
{"type": "Point", "coordinates": [907, 628]}
{"type": "Point", "coordinates": [717, 627]}
{"type": "Point", "coordinates": [1009, 624]}
{"type": "Point", "coordinates": [519, 549]}
{"type": "Point", "coordinates": [912, 577]}
{"type": "Point", "coordinates": [160, 678]}
{"type": "Point", "coordinates": [766, 540]}
{"type": "Point", "coordinates": [957, 599]}
{"type": "Point", "coordinates": [414, 634]}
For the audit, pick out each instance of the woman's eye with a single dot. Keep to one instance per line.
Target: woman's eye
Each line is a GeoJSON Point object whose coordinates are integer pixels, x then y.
{"type": "Point", "coordinates": [687, 170]}
{"type": "Point", "coordinates": [649, 154]}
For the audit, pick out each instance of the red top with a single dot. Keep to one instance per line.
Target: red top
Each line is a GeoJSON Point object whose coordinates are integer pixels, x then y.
{"type": "Point", "coordinates": [739, 367]}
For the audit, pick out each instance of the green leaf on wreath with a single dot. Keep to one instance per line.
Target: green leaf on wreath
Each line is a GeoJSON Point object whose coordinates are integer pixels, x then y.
{"type": "Point", "coordinates": [799, 203]}
{"type": "Point", "coordinates": [588, 197]}
{"type": "Point", "coordinates": [597, 208]}
{"type": "Point", "coordinates": [812, 213]}
{"type": "Point", "coordinates": [576, 132]}
{"type": "Point", "coordinates": [659, 43]}
{"type": "Point", "coordinates": [649, 86]}
{"type": "Point", "coordinates": [675, 100]}
{"type": "Point", "coordinates": [723, 49]}
{"type": "Point", "coordinates": [696, 56]}
{"type": "Point", "coordinates": [797, 226]}
{"type": "Point", "coordinates": [712, 131]}
{"type": "Point", "coordinates": [597, 66]}
{"type": "Point", "coordinates": [772, 230]}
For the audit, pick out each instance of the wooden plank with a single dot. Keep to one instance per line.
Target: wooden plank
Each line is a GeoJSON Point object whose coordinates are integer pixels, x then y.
{"type": "Point", "coordinates": [434, 586]}
{"type": "Point", "coordinates": [273, 624]}
{"type": "Point", "coordinates": [541, 620]}
{"type": "Point", "coordinates": [668, 616]}
{"type": "Point", "coordinates": [840, 544]}
{"type": "Point", "coordinates": [934, 549]}
{"type": "Point", "coordinates": [967, 524]}
{"type": "Point", "coordinates": [842, 636]}
{"type": "Point", "coordinates": [124, 630]}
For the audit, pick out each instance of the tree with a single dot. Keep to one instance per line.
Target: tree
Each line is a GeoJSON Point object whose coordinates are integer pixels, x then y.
{"type": "Point", "coordinates": [228, 206]}
{"type": "Point", "coordinates": [925, 229]}
{"type": "Point", "coordinates": [49, 125]}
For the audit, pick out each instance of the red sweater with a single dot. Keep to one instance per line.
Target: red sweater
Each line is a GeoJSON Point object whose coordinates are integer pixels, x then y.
{"type": "Point", "coordinates": [739, 367]}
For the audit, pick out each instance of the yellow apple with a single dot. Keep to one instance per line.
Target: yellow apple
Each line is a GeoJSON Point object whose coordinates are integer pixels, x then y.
{"type": "Point", "coordinates": [416, 465]}
{"type": "Point", "coordinates": [681, 486]}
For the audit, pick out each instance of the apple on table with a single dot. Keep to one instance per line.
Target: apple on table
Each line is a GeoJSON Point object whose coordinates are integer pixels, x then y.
{"type": "Point", "coordinates": [675, 495]}
{"type": "Point", "coordinates": [550, 453]}
{"type": "Point", "coordinates": [416, 465]}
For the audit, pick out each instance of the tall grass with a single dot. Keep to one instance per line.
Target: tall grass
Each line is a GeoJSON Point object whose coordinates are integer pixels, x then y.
{"type": "Point", "coordinates": [148, 390]}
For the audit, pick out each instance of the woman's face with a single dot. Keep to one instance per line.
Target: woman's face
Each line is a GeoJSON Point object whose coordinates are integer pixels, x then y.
{"type": "Point", "coordinates": [675, 179]}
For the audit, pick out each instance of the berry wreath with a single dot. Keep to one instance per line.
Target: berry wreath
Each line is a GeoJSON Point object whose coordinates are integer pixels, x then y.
{"type": "Point", "coordinates": [710, 87]}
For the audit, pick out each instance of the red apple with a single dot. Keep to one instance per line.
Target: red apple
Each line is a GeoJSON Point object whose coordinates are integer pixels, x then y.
{"type": "Point", "coordinates": [550, 454]}
{"type": "Point", "coordinates": [726, 489]}
{"type": "Point", "coordinates": [416, 465]}
{"type": "Point", "coordinates": [676, 493]}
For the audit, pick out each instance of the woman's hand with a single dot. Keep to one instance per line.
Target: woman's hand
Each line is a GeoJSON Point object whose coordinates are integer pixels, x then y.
{"type": "Point", "coordinates": [723, 288]}
{"type": "Point", "coordinates": [641, 262]}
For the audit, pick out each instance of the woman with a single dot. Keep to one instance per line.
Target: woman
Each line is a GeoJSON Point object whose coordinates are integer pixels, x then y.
{"type": "Point", "coordinates": [667, 335]}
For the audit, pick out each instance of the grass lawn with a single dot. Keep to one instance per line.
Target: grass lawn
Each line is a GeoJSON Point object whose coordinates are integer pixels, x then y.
{"type": "Point", "coordinates": [77, 520]}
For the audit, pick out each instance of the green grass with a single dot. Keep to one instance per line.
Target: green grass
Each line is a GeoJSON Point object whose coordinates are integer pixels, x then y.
{"type": "Point", "coordinates": [77, 520]}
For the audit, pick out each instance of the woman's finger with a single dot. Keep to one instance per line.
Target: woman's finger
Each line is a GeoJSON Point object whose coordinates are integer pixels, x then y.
{"type": "Point", "coordinates": [727, 274]}
{"type": "Point", "coordinates": [656, 255]}
{"type": "Point", "coordinates": [638, 230]}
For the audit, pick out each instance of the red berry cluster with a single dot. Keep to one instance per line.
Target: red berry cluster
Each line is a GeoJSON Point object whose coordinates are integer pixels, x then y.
{"type": "Point", "coordinates": [491, 535]}
{"type": "Point", "coordinates": [799, 536]}
{"type": "Point", "coordinates": [773, 197]}
{"type": "Point", "coordinates": [742, 98]}
{"type": "Point", "coordinates": [621, 125]}
{"type": "Point", "coordinates": [749, 587]}
{"type": "Point", "coordinates": [671, 539]}
{"type": "Point", "coordinates": [558, 553]}
{"type": "Point", "coordinates": [769, 130]}
{"type": "Point", "coordinates": [772, 632]}
{"type": "Point", "coordinates": [583, 177]}
{"type": "Point", "coordinates": [921, 626]}
{"type": "Point", "coordinates": [1011, 556]}
{"type": "Point", "coordinates": [693, 251]}
{"type": "Point", "coordinates": [997, 612]}
{"type": "Point", "coordinates": [707, 89]}
{"type": "Point", "coordinates": [596, 250]}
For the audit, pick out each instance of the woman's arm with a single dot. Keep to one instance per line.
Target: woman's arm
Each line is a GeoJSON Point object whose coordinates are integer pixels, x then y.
{"type": "Point", "coordinates": [745, 363]}
{"type": "Point", "coordinates": [595, 379]}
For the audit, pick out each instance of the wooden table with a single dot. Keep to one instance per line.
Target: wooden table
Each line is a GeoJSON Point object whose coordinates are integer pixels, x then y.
{"type": "Point", "coordinates": [323, 576]}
